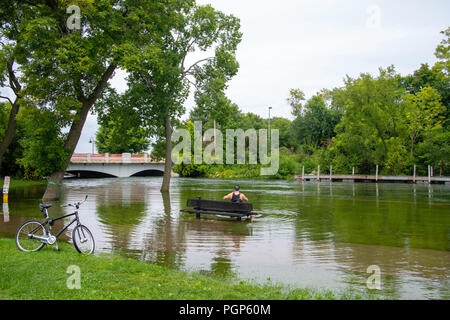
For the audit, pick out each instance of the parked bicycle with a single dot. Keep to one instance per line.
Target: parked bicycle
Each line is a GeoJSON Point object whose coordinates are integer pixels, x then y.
{"type": "Point", "coordinates": [33, 235]}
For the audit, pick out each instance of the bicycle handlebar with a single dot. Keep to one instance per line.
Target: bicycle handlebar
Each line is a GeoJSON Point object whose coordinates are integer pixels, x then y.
{"type": "Point", "coordinates": [75, 204]}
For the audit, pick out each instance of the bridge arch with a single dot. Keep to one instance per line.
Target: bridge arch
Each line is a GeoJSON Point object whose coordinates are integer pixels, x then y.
{"type": "Point", "coordinates": [149, 173]}
{"type": "Point", "coordinates": [118, 170]}
{"type": "Point", "coordinates": [90, 174]}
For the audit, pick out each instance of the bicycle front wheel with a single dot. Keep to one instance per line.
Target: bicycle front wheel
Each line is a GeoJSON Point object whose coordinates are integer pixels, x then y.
{"type": "Point", "coordinates": [29, 236]}
{"type": "Point", "coordinates": [83, 240]}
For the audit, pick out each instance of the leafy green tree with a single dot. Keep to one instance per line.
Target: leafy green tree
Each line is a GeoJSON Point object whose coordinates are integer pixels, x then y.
{"type": "Point", "coordinates": [43, 143]}
{"type": "Point", "coordinates": [66, 70]}
{"type": "Point", "coordinates": [316, 124]}
{"type": "Point", "coordinates": [284, 127]}
{"type": "Point", "coordinates": [122, 129]}
{"type": "Point", "coordinates": [442, 52]}
{"type": "Point", "coordinates": [10, 165]}
{"type": "Point", "coordinates": [167, 79]}
{"type": "Point", "coordinates": [422, 112]}
{"type": "Point", "coordinates": [9, 21]}
{"type": "Point", "coordinates": [9, 78]}
{"type": "Point", "coordinates": [373, 114]}
{"type": "Point", "coordinates": [289, 166]}
{"type": "Point", "coordinates": [397, 160]}
{"type": "Point", "coordinates": [247, 121]}
{"type": "Point", "coordinates": [430, 77]}
{"type": "Point", "coordinates": [223, 111]}
{"type": "Point", "coordinates": [4, 113]}
{"type": "Point", "coordinates": [435, 149]}
{"type": "Point", "coordinates": [357, 146]}
{"type": "Point", "coordinates": [117, 136]}
{"type": "Point", "coordinates": [436, 77]}
{"type": "Point", "coordinates": [296, 96]}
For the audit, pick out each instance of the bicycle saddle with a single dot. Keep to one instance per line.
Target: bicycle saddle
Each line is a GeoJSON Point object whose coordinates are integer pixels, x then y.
{"type": "Point", "coordinates": [44, 206]}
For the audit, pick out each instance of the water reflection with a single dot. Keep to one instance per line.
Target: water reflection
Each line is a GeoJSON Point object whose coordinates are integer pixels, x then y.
{"type": "Point", "coordinates": [5, 212]}
{"type": "Point", "coordinates": [167, 237]}
{"type": "Point", "coordinates": [310, 234]}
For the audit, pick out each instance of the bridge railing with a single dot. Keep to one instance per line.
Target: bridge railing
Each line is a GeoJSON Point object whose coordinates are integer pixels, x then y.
{"type": "Point", "coordinates": [113, 158]}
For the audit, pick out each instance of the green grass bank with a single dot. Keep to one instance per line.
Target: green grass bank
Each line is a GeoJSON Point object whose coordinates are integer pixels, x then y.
{"type": "Point", "coordinates": [44, 275]}
{"type": "Point", "coordinates": [18, 183]}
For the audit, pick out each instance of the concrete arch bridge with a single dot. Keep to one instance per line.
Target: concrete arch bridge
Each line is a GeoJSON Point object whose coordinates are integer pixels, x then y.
{"type": "Point", "coordinates": [88, 165]}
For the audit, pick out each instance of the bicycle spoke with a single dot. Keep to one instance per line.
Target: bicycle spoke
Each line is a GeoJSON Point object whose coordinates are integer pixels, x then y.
{"type": "Point", "coordinates": [30, 236]}
{"type": "Point", "coordinates": [83, 240]}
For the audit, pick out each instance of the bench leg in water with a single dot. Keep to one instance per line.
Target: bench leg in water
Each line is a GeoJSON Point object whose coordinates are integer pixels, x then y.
{"type": "Point", "coordinates": [239, 219]}
{"type": "Point", "coordinates": [197, 215]}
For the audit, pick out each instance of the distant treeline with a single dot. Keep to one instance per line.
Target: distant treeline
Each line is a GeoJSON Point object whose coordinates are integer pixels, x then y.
{"type": "Point", "coordinates": [388, 120]}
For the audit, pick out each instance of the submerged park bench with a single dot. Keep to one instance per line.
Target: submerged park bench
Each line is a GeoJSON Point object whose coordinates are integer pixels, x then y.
{"type": "Point", "coordinates": [222, 208]}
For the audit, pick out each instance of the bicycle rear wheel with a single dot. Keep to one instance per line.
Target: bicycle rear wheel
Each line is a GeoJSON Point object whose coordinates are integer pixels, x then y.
{"type": "Point", "coordinates": [26, 236]}
{"type": "Point", "coordinates": [83, 240]}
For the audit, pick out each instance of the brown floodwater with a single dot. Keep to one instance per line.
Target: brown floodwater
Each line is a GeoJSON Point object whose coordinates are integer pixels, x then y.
{"type": "Point", "coordinates": [316, 235]}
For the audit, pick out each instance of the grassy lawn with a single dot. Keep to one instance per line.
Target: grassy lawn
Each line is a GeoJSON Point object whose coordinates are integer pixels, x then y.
{"type": "Point", "coordinates": [43, 275]}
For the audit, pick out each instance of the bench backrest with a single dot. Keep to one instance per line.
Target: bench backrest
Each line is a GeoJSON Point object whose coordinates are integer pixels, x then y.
{"type": "Point", "coordinates": [225, 206]}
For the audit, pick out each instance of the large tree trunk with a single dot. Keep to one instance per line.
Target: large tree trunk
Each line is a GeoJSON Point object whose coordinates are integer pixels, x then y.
{"type": "Point", "coordinates": [54, 182]}
{"type": "Point", "coordinates": [9, 136]}
{"type": "Point", "coordinates": [17, 88]}
{"type": "Point", "coordinates": [168, 164]}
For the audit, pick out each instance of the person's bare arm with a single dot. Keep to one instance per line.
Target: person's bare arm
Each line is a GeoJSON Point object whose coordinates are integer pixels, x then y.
{"type": "Point", "coordinates": [243, 197]}
{"type": "Point", "coordinates": [228, 196]}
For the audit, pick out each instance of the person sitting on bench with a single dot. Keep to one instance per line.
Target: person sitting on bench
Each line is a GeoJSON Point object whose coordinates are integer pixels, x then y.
{"type": "Point", "coordinates": [236, 195]}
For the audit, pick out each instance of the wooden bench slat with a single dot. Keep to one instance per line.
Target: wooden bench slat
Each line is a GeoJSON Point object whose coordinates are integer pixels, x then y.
{"type": "Point", "coordinates": [231, 214]}
{"type": "Point", "coordinates": [223, 206]}
{"type": "Point", "coordinates": [232, 209]}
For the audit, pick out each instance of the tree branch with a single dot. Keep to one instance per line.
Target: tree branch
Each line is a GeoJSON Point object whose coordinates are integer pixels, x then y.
{"type": "Point", "coordinates": [193, 83]}
{"type": "Point", "coordinates": [79, 90]}
{"type": "Point", "coordinates": [186, 53]}
{"type": "Point", "coordinates": [30, 3]}
{"type": "Point", "coordinates": [105, 77]}
{"type": "Point", "coordinates": [14, 83]}
{"type": "Point", "coordinates": [7, 99]}
{"type": "Point", "coordinates": [195, 64]}
{"type": "Point", "coordinates": [149, 82]}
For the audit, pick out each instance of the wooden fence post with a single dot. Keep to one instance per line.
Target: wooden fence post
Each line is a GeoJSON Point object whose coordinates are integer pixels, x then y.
{"type": "Point", "coordinates": [414, 177]}
{"type": "Point", "coordinates": [376, 174]}
{"type": "Point", "coordinates": [331, 173]}
{"type": "Point", "coordinates": [318, 173]}
{"type": "Point", "coordinates": [303, 173]}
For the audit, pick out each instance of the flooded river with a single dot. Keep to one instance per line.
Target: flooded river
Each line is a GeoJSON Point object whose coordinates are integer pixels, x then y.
{"type": "Point", "coordinates": [317, 235]}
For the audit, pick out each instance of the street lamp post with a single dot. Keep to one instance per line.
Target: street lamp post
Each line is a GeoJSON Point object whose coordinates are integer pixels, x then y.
{"type": "Point", "coordinates": [91, 140]}
{"type": "Point", "coordinates": [215, 138]}
{"type": "Point", "coordinates": [269, 121]}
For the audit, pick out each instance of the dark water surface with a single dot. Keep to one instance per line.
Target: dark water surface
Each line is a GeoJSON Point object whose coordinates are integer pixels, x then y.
{"type": "Point", "coordinates": [318, 235]}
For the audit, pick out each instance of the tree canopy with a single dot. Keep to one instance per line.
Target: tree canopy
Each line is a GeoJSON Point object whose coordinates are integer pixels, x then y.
{"type": "Point", "coordinates": [57, 73]}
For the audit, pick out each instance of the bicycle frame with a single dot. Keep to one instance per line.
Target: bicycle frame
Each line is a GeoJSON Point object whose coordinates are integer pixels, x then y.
{"type": "Point", "coordinates": [50, 222]}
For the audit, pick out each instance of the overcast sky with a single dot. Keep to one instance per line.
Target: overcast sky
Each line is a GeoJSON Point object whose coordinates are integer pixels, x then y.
{"type": "Point", "coordinates": [312, 45]}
